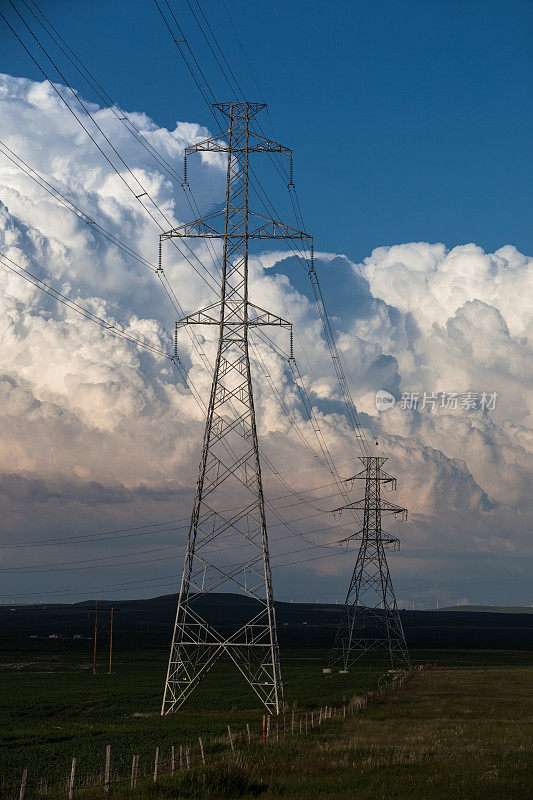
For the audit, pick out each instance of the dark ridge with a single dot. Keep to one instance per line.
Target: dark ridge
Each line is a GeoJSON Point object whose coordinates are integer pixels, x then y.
{"type": "Point", "coordinates": [149, 621]}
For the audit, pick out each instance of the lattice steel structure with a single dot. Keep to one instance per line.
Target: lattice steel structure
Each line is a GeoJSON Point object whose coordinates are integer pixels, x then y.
{"type": "Point", "coordinates": [370, 619]}
{"type": "Point", "coordinates": [230, 473]}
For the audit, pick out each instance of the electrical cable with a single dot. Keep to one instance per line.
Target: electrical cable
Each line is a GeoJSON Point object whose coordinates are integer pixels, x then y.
{"type": "Point", "coordinates": [144, 192]}
{"type": "Point", "coordinates": [72, 90]}
{"type": "Point", "coordinates": [61, 298]}
{"type": "Point", "coordinates": [108, 101]}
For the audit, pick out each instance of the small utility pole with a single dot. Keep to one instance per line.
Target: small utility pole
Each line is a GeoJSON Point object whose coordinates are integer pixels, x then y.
{"type": "Point", "coordinates": [110, 641]}
{"type": "Point", "coordinates": [100, 624]}
{"type": "Point", "coordinates": [95, 636]}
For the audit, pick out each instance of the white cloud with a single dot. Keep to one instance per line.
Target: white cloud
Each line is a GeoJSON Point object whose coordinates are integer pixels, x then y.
{"type": "Point", "coordinates": [84, 409]}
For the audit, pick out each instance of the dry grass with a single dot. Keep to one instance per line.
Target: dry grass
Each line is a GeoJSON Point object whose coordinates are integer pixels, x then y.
{"type": "Point", "coordinates": [447, 734]}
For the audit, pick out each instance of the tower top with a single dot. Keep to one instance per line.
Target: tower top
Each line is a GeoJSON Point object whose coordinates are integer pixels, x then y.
{"type": "Point", "coordinates": [240, 109]}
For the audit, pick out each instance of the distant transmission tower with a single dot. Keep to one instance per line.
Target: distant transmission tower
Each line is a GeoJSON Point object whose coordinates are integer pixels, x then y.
{"type": "Point", "coordinates": [370, 619]}
{"type": "Point", "coordinates": [230, 474]}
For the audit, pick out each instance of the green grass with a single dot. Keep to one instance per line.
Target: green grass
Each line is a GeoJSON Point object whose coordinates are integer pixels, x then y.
{"type": "Point", "coordinates": [452, 732]}
{"type": "Point", "coordinates": [53, 708]}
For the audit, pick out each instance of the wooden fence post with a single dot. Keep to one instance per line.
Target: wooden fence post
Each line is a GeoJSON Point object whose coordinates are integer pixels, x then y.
{"type": "Point", "coordinates": [312, 719]}
{"type": "Point", "coordinates": [181, 756]}
{"type": "Point", "coordinates": [202, 750]}
{"type": "Point", "coordinates": [268, 728]}
{"type": "Point", "coordinates": [230, 738]}
{"type": "Point", "coordinates": [136, 773]}
{"type": "Point", "coordinates": [172, 760]}
{"type": "Point", "coordinates": [107, 779]}
{"type": "Point", "coordinates": [277, 732]}
{"type": "Point", "coordinates": [71, 782]}
{"type": "Point", "coordinates": [132, 782]}
{"type": "Point", "coordinates": [156, 764]}
{"type": "Point", "coordinates": [188, 756]}
{"type": "Point", "coordinates": [292, 722]}
{"type": "Point", "coordinates": [23, 784]}
{"type": "Point", "coordinates": [249, 734]}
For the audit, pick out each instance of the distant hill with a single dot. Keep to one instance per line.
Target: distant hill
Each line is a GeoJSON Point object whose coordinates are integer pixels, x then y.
{"type": "Point", "coordinates": [492, 609]}
{"type": "Point", "coordinates": [148, 623]}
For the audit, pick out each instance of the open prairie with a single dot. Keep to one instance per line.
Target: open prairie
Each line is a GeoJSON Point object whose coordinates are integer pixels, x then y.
{"type": "Point", "coordinates": [457, 730]}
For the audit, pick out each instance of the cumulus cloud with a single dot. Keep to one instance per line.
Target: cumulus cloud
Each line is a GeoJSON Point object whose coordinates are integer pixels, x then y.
{"type": "Point", "coordinates": [94, 424]}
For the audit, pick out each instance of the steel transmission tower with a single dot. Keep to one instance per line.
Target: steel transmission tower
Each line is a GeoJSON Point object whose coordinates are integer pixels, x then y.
{"type": "Point", "coordinates": [230, 474]}
{"type": "Point", "coordinates": [370, 619]}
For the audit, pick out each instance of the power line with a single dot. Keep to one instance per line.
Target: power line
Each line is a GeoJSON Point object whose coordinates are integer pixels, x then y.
{"type": "Point", "coordinates": [310, 268]}
{"type": "Point", "coordinates": [144, 192]}
{"type": "Point", "coordinates": [82, 104]}
{"type": "Point", "coordinates": [108, 101]}
{"type": "Point", "coordinates": [84, 312]}
{"type": "Point", "coordinates": [57, 566]}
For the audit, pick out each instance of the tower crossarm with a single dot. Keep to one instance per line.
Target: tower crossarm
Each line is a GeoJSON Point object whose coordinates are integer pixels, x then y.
{"type": "Point", "coordinates": [255, 316]}
{"type": "Point", "coordinates": [390, 542]}
{"type": "Point", "coordinates": [373, 505]}
{"type": "Point", "coordinates": [257, 144]}
{"type": "Point", "coordinates": [377, 473]}
{"type": "Point", "coordinates": [212, 226]}
{"type": "Point", "coordinates": [218, 144]}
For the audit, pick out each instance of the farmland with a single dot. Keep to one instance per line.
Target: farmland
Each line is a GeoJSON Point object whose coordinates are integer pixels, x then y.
{"type": "Point", "coordinates": [454, 731]}
{"type": "Point", "coordinates": [471, 710]}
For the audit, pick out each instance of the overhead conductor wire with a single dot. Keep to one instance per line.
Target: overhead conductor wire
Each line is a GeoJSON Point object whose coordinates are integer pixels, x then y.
{"type": "Point", "coordinates": [81, 213]}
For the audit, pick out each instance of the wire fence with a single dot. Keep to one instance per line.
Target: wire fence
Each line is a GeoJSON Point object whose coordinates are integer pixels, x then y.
{"type": "Point", "coordinates": [203, 752]}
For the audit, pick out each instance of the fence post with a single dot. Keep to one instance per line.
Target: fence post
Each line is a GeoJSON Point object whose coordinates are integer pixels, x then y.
{"type": "Point", "coordinates": [248, 732]}
{"type": "Point", "coordinates": [306, 721]}
{"type": "Point", "coordinates": [264, 728]}
{"type": "Point", "coordinates": [172, 760]}
{"type": "Point", "coordinates": [230, 738]}
{"type": "Point", "coordinates": [268, 729]}
{"type": "Point", "coordinates": [181, 756]}
{"type": "Point", "coordinates": [71, 782]}
{"type": "Point", "coordinates": [300, 719]}
{"type": "Point", "coordinates": [292, 722]}
{"type": "Point", "coordinates": [23, 784]}
{"type": "Point", "coordinates": [202, 750]}
{"type": "Point", "coordinates": [277, 732]}
{"type": "Point", "coordinates": [136, 772]}
{"type": "Point", "coordinates": [156, 763]}
{"type": "Point", "coordinates": [312, 719]}
{"type": "Point", "coordinates": [188, 756]}
{"type": "Point", "coordinates": [132, 782]}
{"type": "Point", "coordinates": [107, 779]}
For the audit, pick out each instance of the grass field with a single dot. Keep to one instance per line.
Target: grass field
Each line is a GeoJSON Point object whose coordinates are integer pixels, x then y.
{"type": "Point", "coordinates": [53, 708]}
{"type": "Point", "coordinates": [451, 732]}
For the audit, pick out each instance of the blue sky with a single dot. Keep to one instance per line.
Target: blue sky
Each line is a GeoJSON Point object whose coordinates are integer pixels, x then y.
{"type": "Point", "coordinates": [411, 120]}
